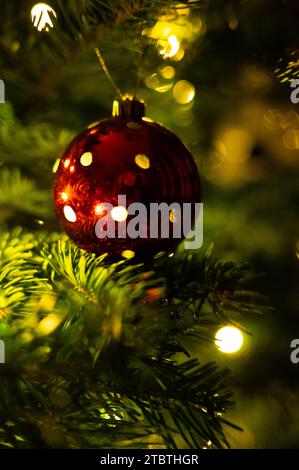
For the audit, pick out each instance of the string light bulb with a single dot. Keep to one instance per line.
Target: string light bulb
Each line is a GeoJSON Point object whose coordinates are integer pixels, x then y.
{"type": "Point", "coordinates": [170, 47]}
{"type": "Point", "coordinates": [229, 339]}
{"type": "Point", "coordinates": [183, 92]}
{"type": "Point", "coordinates": [41, 16]}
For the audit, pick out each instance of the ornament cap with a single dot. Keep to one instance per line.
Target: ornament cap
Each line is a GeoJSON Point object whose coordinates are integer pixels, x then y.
{"type": "Point", "coordinates": [128, 109]}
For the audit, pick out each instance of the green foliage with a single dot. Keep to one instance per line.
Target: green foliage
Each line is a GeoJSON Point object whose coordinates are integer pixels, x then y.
{"type": "Point", "coordinates": [93, 348]}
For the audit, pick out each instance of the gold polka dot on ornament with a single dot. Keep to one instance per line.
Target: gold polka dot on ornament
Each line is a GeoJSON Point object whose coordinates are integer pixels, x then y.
{"type": "Point", "coordinates": [142, 161]}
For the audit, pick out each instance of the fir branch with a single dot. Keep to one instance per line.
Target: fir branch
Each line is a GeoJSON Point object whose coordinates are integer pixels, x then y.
{"type": "Point", "coordinates": [114, 330]}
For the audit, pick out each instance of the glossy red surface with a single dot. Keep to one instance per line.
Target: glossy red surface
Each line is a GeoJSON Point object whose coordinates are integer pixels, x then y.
{"type": "Point", "coordinates": [139, 159]}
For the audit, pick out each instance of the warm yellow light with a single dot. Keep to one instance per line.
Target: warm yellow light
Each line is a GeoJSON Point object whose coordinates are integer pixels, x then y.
{"type": "Point", "coordinates": [238, 145]}
{"type": "Point", "coordinates": [67, 163]}
{"type": "Point", "coordinates": [86, 159]}
{"type": "Point", "coordinates": [291, 139]}
{"type": "Point", "coordinates": [182, 9]}
{"type": "Point", "coordinates": [47, 302]}
{"type": "Point", "coordinates": [180, 55]}
{"type": "Point", "coordinates": [147, 119]}
{"type": "Point", "coordinates": [69, 214]}
{"type": "Point", "coordinates": [115, 108]}
{"type": "Point", "coordinates": [170, 47]}
{"type": "Point", "coordinates": [41, 16]}
{"type": "Point", "coordinates": [183, 92]}
{"type": "Point", "coordinates": [164, 88]}
{"type": "Point", "coordinates": [119, 213]}
{"type": "Point", "coordinates": [72, 169]}
{"type": "Point", "coordinates": [233, 23]}
{"type": "Point", "coordinates": [229, 339]}
{"type": "Point", "coordinates": [26, 337]}
{"type": "Point", "coordinates": [128, 254]}
{"type": "Point", "coordinates": [48, 324]}
{"type": "Point", "coordinates": [92, 124]}
{"type": "Point", "coordinates": [99, 209]}
{"type": "Point", "coordinates": [93, 131]}
{"type": "Point", "coordinates": [160, 254]}
{"type": "Point", "coordinates": [64, 196]}
{"type": "Point", "coordinates": [168, 72]}
{"type": "Point", "coordinates": [142, 161]}
{"type": "Point", "coordinates": [152, 81]}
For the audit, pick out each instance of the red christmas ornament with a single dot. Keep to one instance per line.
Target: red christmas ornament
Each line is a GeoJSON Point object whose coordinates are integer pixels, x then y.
{"type": "Point", "coordinates": [130, 156]}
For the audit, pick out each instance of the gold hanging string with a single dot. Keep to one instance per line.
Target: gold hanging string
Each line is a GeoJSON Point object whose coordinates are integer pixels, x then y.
{"type": "Point", "coordinates": [107, 73]}
{"type": "Point", "coordinates": [139, 60]}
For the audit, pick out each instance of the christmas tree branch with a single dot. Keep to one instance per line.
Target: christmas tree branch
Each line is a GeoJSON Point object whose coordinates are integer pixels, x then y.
{"type": "Point", "coordinates": [79, 330]}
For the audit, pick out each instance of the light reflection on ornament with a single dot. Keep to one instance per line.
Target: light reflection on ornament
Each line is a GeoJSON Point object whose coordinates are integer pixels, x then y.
{"type": "Point", "coordinates": [56, 165]}
{"type": "Point", "coordinates": [99, 209]}
{"type": "Point", "coordinates": [119, 213]}
{"type": "Point", "coordinates": [93, 131]}
{"type": "Point", "coordinates": [183, 92]}
{"type": "Point", "coordinates": [67, 163]}
{"type": "Point", "coordinates": [41, 16]}
{"type": "Point", "coordinates": [86, 159]}
{"type": "Point", "coordinates": [64, 196]}
{"type": "Point", "coordinates": [147, 119]}
{"type": "Point", "coordinates": [69, 214]}
{"type": "Point", "coordinates": [72, 169]}
{"type": "Point", "coordinates": [93, 124]}
{"type": "Point", "coordinates": [229, 339]}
